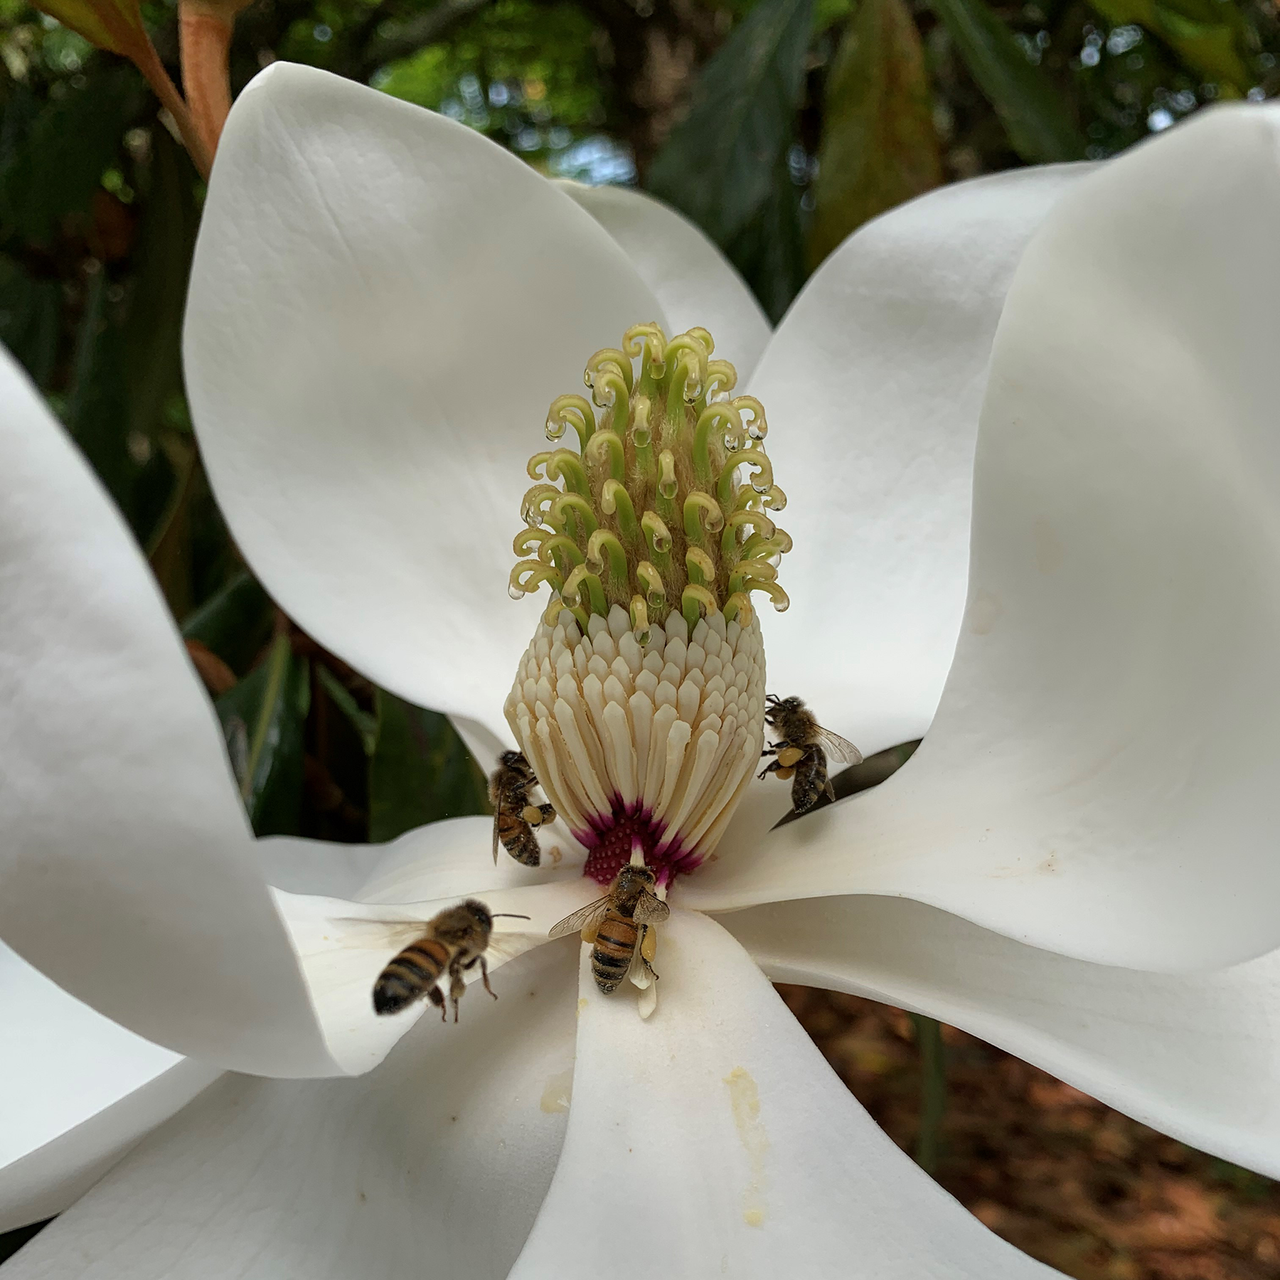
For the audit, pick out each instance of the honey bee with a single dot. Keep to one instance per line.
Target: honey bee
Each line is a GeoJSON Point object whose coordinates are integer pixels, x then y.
{"type": "Point", "coordinates": [803, 751]}
{"type": "Point", "coordinates": [616, 924]}
{"type": "Point", "coordinates": [452, 942]}
{"type": "Point", "coordinates": [514, 816]}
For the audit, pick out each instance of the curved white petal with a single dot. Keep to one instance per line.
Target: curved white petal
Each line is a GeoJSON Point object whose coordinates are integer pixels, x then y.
{"type": "Point", "coordinates": [433, 1165]}
{"type": "Point", "coordinates": [124, 843]}
{"type": "Point", "coordinates": [695, 283]}
{"type": "Point", "coordinates": [383, 305]}
{"type": "Point", "coordinates": [297, 865]}
{"type": "Point", "coordinates": [719, 1130]}
{"type": "Point", "coordinates": [345, 945]}
{"type": "Point", "coordinates": [1099, 780]}
{"type": "Point", "coordinates": [1195, 1056]}
{"type": "Point", "coordinates": [872, 385]}
{"type": "Point", "coordinates": [78, 1091]}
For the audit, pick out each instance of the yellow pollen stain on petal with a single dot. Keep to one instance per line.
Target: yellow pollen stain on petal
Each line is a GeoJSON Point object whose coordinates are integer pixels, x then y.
{"type": "Point", "coordinates": [559, 1091]}
{"type": "Point", "coordinates": [744, 1101]}
{"type": "Point", "coordinates": [582, 1004]}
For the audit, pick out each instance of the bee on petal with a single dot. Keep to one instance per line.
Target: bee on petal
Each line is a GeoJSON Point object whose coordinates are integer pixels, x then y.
{"type": "Point", "coordinates": [803, 751]}
{"type": "Point", "coordinates": [617, 926]}
{"type": "Point", "coordinates": [452, 942]}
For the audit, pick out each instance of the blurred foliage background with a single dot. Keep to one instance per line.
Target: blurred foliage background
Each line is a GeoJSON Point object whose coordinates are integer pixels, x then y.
{"type": "Point", "coordinates": [779, 126]}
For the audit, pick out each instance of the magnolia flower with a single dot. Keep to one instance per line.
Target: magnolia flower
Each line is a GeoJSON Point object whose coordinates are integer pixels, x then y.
{"type": "Point", "coordinates": [382, 308]}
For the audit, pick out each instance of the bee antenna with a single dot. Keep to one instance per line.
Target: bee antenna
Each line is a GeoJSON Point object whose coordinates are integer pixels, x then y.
{"type": "Point", "coordinates": [509, 915]}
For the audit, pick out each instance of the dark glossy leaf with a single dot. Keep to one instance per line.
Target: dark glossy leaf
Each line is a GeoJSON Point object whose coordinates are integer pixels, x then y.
{"type": "Point", "coordinates": [879, 146]}
{"type": "Point", "coordinates": [1036, 118]}
{"type": "Point", "coordinates": [235, 623]}
{"type": "Point", "coordinates": [30, 316]}
{"type": "Point", "coordinates": [420, 771]}
{"type": "Point", "coordinates": [720, 163]}
{"type": "Point", "coordinates": [263, 719]}
{"type": "Point", "coordinates": [1206, 34]}
{"type": "Point", "coordinates": [769, 251]}
{"type": "Point", "coordinates": [365, 723]}
{"type": "Point", "coordinates": [153, 327]}
{"type": "Point", "coordinates": [56, 167]}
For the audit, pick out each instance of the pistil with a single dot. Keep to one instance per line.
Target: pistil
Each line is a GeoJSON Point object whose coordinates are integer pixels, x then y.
{"type": "Point", "coordinates": [640, 701]}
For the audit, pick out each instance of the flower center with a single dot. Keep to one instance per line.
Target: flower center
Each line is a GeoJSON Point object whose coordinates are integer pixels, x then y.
{"type": "Point", "coordinates": [640, 700]}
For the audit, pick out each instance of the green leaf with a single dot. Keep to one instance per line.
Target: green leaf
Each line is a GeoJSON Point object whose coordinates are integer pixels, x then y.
{"type": "Point", "coordinates": [365, 723]}
{"type": "Point", "coordinates": [420, 771]}
{"type": "Point", "coordinates": [115, 25]}
{"type": "Point", "coordinates": [1206, 34]}
{"type": "Point", "coordinates": [57, 164]}
{"type": "Point", "coordinates": [263, 719]}
{"type": "Point", "coordinates": [879, 146]}
{"type": "Point", "coordinates": [769, 250]}
{"type": "Point", "coordinates": [1034, 115]}
{"type": "Point", "coordinates": [153, 327]}
{"type": "Point", "coordinates": [30, 319]}
{"type": "Point", "coordinates": [720, 164]}
{"type": "Point", "coordinates": [235, 622]}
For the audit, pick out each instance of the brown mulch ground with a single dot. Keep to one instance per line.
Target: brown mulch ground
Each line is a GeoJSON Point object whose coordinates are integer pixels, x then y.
{"type": "Point", "coordinates": [1064, 1178]}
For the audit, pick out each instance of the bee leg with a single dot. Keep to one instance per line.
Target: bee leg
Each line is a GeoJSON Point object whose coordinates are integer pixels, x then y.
{"type": "Point", "coordinates": [644, 959]}
{"type": "Point", "coordinates": [772, 767]}
{"type": "Point", "coordinates": [484, 974]}
{"type": "Point", "coordinates": [436, 996]}
{"type": "Point", "coordinates": [457, 984]}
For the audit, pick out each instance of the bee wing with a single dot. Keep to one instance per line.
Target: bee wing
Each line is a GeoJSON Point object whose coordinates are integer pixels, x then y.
{"type": "Point", "coordinates": [578, 920]}
{"type": "Point", "coordinates": [509, 946]}
{"type": "Point", "coordinates": [372, 935]}
{"type": "Point", "coordinates": [651, 909]}
{"type": "Point", "coordinates": [495, 835]}
{"type": "Point", "coordinates": [838, 749]}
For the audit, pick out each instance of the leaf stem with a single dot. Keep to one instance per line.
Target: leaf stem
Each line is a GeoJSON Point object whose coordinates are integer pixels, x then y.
{"type": "Point", "coordinates": [933, 1091]}
{"type": "Point", "coordinates": [145, 58]}
{"type": "Point", "coordinates": [204, 39]}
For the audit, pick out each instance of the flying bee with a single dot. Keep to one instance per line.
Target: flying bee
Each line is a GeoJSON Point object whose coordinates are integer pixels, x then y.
{"type": "Point", "coordinates": [803, 751]}
{"type": "Point", "coordinates": [450, 943]}
{"type": "Point", "coordinates": [514, 815]}
{"type": "Point", "coordinates": [617, 925]}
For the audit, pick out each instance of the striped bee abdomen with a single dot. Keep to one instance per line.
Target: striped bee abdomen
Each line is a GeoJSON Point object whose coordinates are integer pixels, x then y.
{"type": "Point", "coordinates": [615, 944]}
{"type": "Point", "coordinates": [411, 975]}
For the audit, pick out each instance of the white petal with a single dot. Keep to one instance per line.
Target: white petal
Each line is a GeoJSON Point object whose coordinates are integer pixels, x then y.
{"type": "Point", "coordinates": [695, 283]}
{"type": "Point", "coordinates": [317, 866]}
{"type": "Point", "coordinates": [1100, 777]}
{"type": "Point", "coordinates": [454, 857]}
{"type": "Point", "coordinates": [872, 386]}
{"type": "Point", "coordinates": [77, 1092]}
{"type": "Point", "coordinates": [345, 945]}
{"type": "Point", "coordinates": [717, 1129]}
{"type": "Point", "coordinates": [125, 846]}
{"type": "Point", "coordinates": [434, 1165]}
{"type": "Point", "coordinates": [383, 305]}
{"type": "Point", "coordinates": [1197, 1057]}
{"type": "Point", "coordinates": [485, 744]}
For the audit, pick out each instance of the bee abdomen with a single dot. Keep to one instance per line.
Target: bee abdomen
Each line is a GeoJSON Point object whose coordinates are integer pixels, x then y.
{"type": "Point", "coordinates": [522, 845]}
{"type": "Point", "coordinates": [410, 975]}
{"type": "Point", "coordinates": [611, 956]}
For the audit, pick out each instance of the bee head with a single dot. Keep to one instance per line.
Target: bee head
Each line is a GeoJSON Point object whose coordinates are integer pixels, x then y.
{"type": "Point", "coordinates": [778, 707]}
{"type": "Point", "coordinates": [515, 761]}
{"type": "Point", "coordinates": [479, 912]}
{"type": "Point", "coordinates": [631, 878]}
